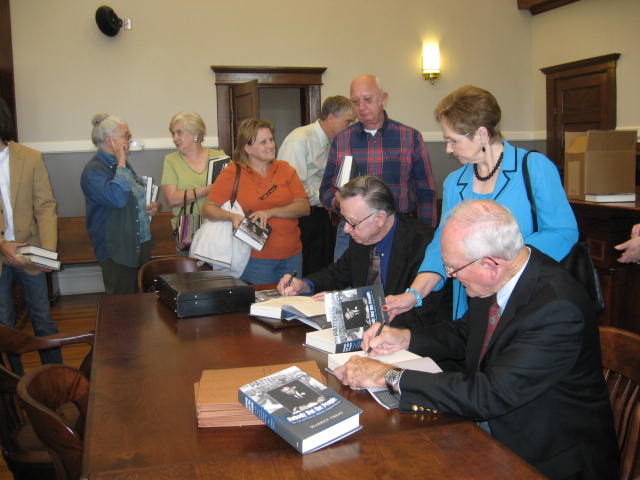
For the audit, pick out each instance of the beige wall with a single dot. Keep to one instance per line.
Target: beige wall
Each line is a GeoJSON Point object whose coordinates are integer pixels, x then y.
{"type": "Point", "coordinates": [585, 29]}
{"type": "Point", "coordinates": [66, 70]}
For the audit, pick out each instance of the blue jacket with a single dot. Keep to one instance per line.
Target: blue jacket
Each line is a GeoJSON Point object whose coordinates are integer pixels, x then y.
{"type": "Point", "coordinates": [558, 230]}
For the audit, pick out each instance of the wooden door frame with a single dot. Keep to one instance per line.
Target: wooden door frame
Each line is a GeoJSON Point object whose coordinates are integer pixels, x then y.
{"type": "Point", "coordinates": [307, 79]}
{"type": "Point", "coordinates": [603, 64]}
{"type": "Point", "coordinates": [6, 62]}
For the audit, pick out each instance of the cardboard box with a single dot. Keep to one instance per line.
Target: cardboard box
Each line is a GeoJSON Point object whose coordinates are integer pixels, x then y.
{"type": "Point", "coordinates": [600, 162]}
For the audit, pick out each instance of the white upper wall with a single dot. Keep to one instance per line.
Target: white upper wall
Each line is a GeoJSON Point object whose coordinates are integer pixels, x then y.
{"type": "Point", "coordinates": [585, 29]}
{"type": "Point", "coordinates": [66, 70]}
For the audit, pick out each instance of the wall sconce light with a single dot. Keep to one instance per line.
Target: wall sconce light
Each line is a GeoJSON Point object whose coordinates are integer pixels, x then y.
{"type": "Point", "coordinates": [431, 61]}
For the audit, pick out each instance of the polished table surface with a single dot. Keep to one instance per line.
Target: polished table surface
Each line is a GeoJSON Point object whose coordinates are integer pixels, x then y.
{"type": "Point", "coordinates": [142, 424]}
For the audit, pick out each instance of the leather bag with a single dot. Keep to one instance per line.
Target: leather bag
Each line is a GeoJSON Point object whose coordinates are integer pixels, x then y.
{"type": "Point", "coordinates": [578, 261]}
{"type": "Point", "coordinates": [187, 223]}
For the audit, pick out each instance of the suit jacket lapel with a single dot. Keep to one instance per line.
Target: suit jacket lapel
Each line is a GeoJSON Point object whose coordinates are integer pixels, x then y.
{"type": "Point", "coordinates": [521, 295]}
{"type": "Point", "coordinates": [16, 165]}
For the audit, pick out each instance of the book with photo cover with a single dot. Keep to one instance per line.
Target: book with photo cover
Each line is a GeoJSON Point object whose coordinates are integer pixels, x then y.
{"type": "Point", "coordinates": [215, 166]}
{"type": "Point", "coordinates": [34, 250]}
{"type": "Point", "coordinates": [347, 172]}
{"type": "Point", "coordinates": [303, 411]}
{"type": "Point", "coordinates": [351, 312]}
{"type": "Point", "coordinates": [252, 233]}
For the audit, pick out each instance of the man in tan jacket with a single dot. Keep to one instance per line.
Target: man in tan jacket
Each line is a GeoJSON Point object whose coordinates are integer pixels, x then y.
{"type": "Point", "coordinates": [27, 217]}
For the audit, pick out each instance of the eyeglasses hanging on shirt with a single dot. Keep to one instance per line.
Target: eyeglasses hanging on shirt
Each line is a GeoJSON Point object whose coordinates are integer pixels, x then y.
{"type": "Point", "coordinates": [272, 189]}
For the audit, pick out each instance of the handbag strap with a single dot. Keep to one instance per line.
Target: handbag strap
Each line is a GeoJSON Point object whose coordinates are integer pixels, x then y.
{"type": "Point", "coordinates": [527, 185]}
{"type": "Point", "coordinates": [236, 182]}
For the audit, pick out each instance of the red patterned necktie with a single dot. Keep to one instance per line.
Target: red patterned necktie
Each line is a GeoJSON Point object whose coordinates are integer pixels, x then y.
{"type": "Point", "coordinates": [373, 275]}
{"type": "Point", "coordinates": [494, 318]}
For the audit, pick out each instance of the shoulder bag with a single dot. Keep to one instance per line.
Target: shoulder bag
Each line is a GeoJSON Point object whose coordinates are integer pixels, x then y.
{"type": "Point", "coordinates": [215, 244]}
{"type": "Point", "coordinates": [578, 261]}
{"type": "Point", "coordinates": [187, 223]}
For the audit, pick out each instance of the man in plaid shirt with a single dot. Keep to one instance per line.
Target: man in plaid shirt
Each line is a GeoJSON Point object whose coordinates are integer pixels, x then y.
{"type": "Point", "coordinates": [383, 147]}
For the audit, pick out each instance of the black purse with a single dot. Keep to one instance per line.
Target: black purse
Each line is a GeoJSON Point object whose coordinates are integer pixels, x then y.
{"type": "Point", "coordinates": [578, 261]}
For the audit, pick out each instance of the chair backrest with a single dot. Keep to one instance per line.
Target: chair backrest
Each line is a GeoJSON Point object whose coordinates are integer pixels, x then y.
{"type": "Point", "coordinates": [43, 391]}
{"type": "Point", "coordinates": [150, 270]}
{"type": "Point", "coordinates": [621, 366]}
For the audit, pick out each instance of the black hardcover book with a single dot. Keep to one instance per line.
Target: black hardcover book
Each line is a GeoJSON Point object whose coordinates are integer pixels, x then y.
{"type": "Point", "coordinates": [303, 411]}
{"type": "Point", "coordinates": [216, 165]}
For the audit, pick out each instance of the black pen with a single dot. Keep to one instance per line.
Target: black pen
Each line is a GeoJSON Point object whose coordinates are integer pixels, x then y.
{"type": "Point", "coordinates": [293, 275]}
{"type": "Point", "coordinates": [377, 333]}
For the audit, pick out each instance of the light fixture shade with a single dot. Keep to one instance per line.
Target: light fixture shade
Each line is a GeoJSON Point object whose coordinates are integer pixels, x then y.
{"type": "Point", "coordinates": [431, 61]}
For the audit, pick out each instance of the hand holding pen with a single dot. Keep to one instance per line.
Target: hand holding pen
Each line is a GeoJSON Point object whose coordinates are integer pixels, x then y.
{"type": "Point", "coordinates": [382, 324]}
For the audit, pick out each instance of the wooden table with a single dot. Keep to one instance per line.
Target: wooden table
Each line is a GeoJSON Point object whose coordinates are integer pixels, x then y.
{"type": "Point", "coordinates": [142, 423]}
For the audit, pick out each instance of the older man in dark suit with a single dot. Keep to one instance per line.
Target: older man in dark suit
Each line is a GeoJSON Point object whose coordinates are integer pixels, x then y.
{"type": "Point", "coordinates": [530, 346]}
{"type": "Point", "coordinates": [384, 246]}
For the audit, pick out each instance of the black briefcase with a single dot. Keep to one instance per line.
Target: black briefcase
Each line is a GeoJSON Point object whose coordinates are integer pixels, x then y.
{"type": "Point", "coordinates": [194, 294]}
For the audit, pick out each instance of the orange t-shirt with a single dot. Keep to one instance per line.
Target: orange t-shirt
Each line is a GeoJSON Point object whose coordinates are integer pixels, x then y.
{"type": "Point", "coordinates": [284, 241]}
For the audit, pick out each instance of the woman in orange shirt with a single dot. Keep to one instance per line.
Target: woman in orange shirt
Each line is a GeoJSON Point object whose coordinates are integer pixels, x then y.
{"type": "Point", "coordinates": [271, 190]}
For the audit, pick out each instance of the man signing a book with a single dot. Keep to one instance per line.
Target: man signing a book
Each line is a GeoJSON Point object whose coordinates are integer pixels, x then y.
{"type": "Point", "coordinates": [530, 371]}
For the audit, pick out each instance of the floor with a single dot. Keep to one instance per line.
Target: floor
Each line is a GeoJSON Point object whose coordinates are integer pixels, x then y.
{"type": "Point", "coordinates": [72, 313]}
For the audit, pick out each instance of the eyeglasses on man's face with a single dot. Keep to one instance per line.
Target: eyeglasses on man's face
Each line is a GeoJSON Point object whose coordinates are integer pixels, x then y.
{"type": "Point", "coordinates": [356, 224]}
{"type": "Point", "coordinates": [451, 271]}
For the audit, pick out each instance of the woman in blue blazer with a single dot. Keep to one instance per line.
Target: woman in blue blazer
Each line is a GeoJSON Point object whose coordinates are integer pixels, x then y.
{"type": "Point", "coordinates": [491, 170]}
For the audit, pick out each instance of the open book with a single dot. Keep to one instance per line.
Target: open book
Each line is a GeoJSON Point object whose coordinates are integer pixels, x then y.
{"type": "Point", "coordinates": [402, 359]}
{"type": "Point", "coordinates": [304, 309]}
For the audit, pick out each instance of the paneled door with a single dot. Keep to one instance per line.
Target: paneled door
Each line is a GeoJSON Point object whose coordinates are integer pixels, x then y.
{"type": "Point", "coordinates": [581, 96]}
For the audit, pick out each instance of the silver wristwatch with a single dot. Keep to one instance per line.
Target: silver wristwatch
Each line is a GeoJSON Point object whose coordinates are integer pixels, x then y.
{"type": "Point", "coordinates": [392, 377]}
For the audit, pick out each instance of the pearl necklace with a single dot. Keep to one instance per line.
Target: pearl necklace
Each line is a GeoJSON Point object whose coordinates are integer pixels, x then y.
{"type": "Point", "coordinates": [491, 173]}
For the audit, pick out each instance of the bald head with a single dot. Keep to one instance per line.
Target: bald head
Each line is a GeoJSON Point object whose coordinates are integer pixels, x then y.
{"type": "Point", "coordinates": [368, 99]}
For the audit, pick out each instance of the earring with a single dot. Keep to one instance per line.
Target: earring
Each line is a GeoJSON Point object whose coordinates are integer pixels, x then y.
{"type": "Point", "coordinates": [484, 149]}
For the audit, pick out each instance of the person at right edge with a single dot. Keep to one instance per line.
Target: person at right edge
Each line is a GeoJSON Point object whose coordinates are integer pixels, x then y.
{"type": "Point", "coordinates": [491, 170]}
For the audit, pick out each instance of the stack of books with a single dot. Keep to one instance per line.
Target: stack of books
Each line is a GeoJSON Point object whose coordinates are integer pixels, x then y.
{"type": "Point", "coordinates": [216, 393]}
{"type": "Point", "coordinates": [40, 257]}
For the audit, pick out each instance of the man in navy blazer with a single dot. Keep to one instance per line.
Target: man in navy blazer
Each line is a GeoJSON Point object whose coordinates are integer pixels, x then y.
{"type": "Point", "coordinates": [369, 210]}
{"type": "Point", "coordinates": [532, 373]}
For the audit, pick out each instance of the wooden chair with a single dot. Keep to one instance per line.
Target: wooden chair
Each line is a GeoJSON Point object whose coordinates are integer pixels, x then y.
{"type": "Point", "coordinates": [621, 366]}
{"type": "Point", "coordinates": [24, 453]}
{"type": "Point", "coordinates": [44, 390]}
{"type": "Point", "coordinates": [150, 270]}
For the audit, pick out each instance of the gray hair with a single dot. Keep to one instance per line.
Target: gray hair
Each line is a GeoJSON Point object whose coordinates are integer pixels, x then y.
{"type": "Point", "coordinates": [103, 126]}
{"type": "Point", "coordinates": [192, 122]}
{"type": "Point", "coordinates": [336, 106]}
{"type": "Point", "coordinates": [374, 191]}
{"type": "Point", "coordinates": [492, 229]}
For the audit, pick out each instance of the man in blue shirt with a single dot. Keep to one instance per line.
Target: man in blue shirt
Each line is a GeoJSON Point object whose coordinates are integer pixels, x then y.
{"type": "Point", "coordinates": [369, 213]}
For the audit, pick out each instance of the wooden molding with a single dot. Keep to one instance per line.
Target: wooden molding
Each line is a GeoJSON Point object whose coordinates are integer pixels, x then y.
{"type": "Point", "coordinates": [539, 6]}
